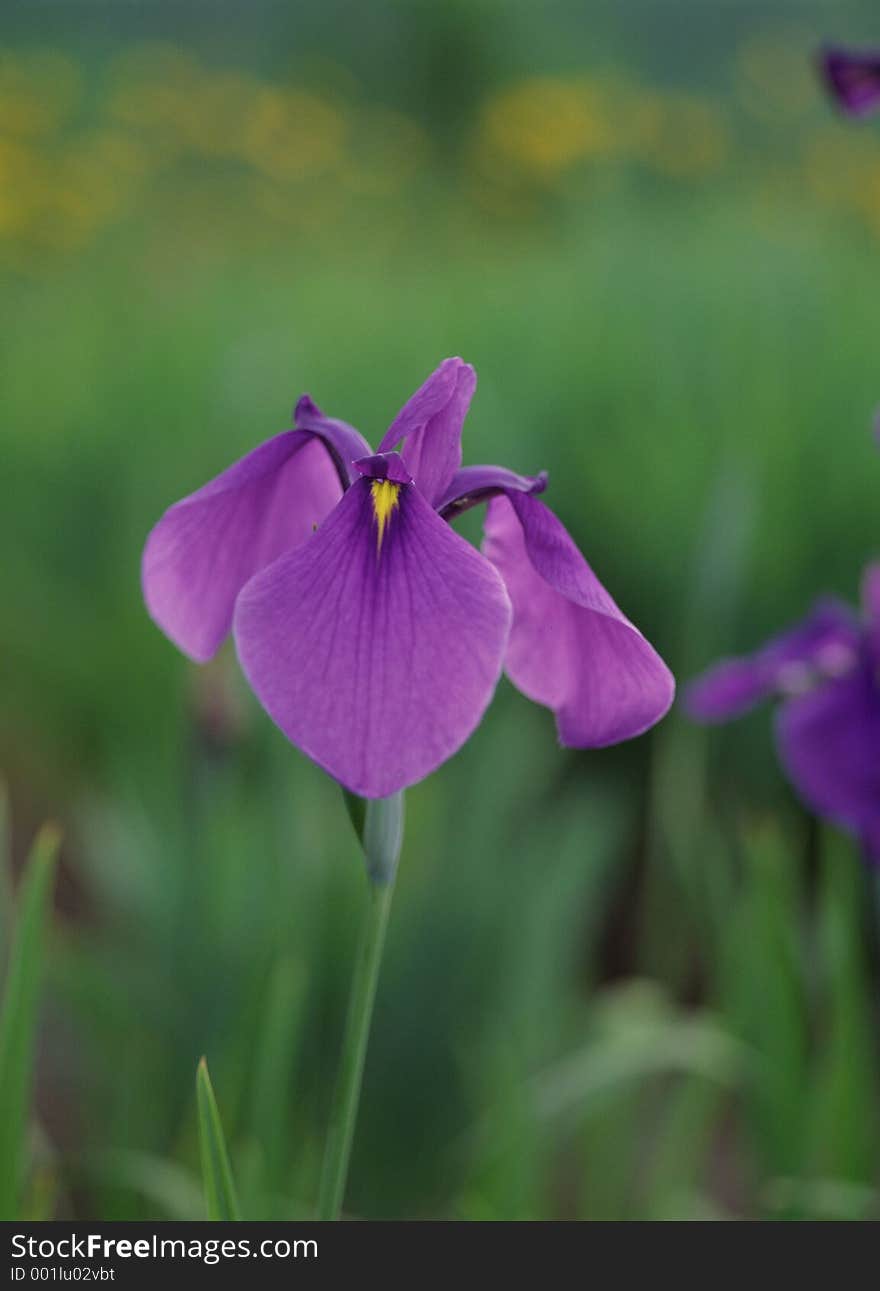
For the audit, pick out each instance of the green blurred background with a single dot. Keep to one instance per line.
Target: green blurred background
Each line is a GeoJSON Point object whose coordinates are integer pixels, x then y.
{"type": "Point", "coordinates": [630, 983]}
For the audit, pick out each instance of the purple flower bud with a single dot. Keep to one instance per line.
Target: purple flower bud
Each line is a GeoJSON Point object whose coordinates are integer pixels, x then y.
{"type": "Point", "coordinates": [853, 77]}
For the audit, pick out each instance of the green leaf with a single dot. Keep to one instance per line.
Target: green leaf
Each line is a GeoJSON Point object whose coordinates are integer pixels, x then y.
{"type": "Point", "coordinates": [18, 1015]}
{"type": "Point", "coordinates": [220, 1197]}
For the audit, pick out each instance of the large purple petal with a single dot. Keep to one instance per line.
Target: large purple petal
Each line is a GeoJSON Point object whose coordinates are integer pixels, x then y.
{"type": "Point", "coordinates": [475, 484]}
{"type": "Point", "coordinates": [344, 444]}
{"type": "Point", "coordinates": [570, 647]}
{"type": "Point", "coordinates": [829, 743]}
{"type": "Point", "coordinates": [206, 547]}
{"type": "Point", "coordinates": [377, 645]}
{"type": "Point", "coordinates": [853, 78]}
{"type": "Point", "coordinates": [826, 644]}
{"type": "Point", "coordinates": [429, 425]}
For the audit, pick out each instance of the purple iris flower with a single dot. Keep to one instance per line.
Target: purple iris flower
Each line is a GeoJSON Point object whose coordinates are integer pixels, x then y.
{"type": "Point", "coordinates": [371, 632]}
{"type": "Point", "coordinates": [853, 78]}
{"type": "Point", "coordinates": [826, 671]}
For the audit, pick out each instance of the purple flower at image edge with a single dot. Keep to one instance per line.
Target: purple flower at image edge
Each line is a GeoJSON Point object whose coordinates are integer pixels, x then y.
{"type": "Point", "coordinates": [371, 632]}
{"type": "Point", "coordinates": [825, 672]}
{"type": "Point", "coordinates": [852, 77]}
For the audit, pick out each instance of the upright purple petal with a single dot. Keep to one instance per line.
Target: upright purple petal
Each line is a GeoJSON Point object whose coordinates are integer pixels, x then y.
{"type": "Point", "coordinates": [206, 547]}
{"type": "Point", "coordinates": [570, 646]}
{"type": "Point", "coordinates": [472, 485]}
{"type": "Point", "coordinates": [383, 466]}
{"type": "Point", "coordinates": [826, 644]}
{"type": "Point", "coordinates": [344, 444]}
{"type": "Point", "coordinates": [853, 77]}
{"type": "Point", "coordinates": [430, 427]}
{"type": "Point", "coordinates": [829, 744]}
{"type": "Point", "coordinates": [377, 645]}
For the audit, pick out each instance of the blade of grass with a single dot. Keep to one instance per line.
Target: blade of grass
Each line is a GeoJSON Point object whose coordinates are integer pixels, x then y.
{"type": "Point", "coordinates": [18, 1015]}
{"type": "Point", "coordinates": [220, 1196]}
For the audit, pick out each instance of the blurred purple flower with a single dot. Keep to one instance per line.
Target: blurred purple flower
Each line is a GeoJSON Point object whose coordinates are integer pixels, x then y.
{"type": "Point", "coordinates": [373, 634]}
{"type": "Point", "coordinates": [826, 672]}
{"type": "Point", "coordinates": [853, 77]}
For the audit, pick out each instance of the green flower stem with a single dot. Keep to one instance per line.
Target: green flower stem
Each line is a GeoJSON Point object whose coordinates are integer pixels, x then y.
{"type": "Point", "coordinates": [381, 839]}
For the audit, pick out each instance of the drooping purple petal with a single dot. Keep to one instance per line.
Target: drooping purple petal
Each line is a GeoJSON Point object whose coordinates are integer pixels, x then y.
{"type": "Point", "coordinates": [377, 645]}
{"type": "Point", "coordinates": [570, 646]}
{"type": "Point", "coordinates": [472, 485]}
{"type": "Point", "coordinates": [206, 547]}
{"type": "Point", "coordinates": [825, 644]}
{"type": "Point", "coordinates": [429, 425]}
{"type": "Point", "coordinates": [853, 77]}
{"type": "Point", "coordinates": [344, 444]}
{"type": "Point", "coordinates": [829, 744]}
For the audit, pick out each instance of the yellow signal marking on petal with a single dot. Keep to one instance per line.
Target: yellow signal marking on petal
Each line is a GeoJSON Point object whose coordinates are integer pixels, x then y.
{"type": "Point", "coordinates": [386, 497]}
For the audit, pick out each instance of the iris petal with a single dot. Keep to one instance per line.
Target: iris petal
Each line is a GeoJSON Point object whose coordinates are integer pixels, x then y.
{"type": "Point", "coordinates": [376, 647]}
{"type": "Point", "coordinates": [206, 547]}
{"type": "Point", "coordinates": [429, 425]}
{"type": "Point", "coordinates": [570, 646]}
{"type": "Point", "coordinates": [826, 644]}
{"type": "Point", "coordinates": [344, 444]}
{"type": "Point", "coordinates": [472, 485]}
{"type": "Point", "coordinates": [829, 744]}
{"type": "Point", "coordinates": [853, 78]}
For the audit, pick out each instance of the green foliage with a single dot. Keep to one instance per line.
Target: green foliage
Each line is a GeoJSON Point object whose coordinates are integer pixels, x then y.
{"type": "Point", "coordinates": [221, 1201]}
{"type": "Point", "coordinates": [18, 1017]}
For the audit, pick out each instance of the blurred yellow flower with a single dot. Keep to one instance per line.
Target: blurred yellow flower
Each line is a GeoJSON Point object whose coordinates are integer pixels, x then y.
{"type": "Point", "coordinates": [22, 182]}
{"type": "Point", "coordinates": [292, 134]}
{"type": "Point", "coordinates": [183, 106]}
{"type": "Point", "coordinates": [544, 125]}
